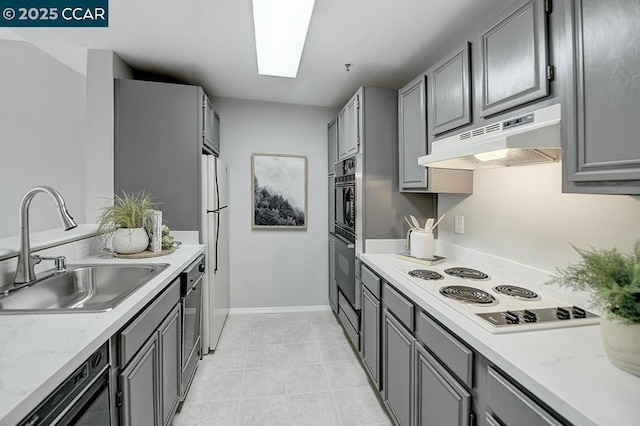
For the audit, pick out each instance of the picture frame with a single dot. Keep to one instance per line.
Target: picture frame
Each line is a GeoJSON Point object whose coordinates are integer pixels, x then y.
{"type": "Point", "coordinates": [279, 191]}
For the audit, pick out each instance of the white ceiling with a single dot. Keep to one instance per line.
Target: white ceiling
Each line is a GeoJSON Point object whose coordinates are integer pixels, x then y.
{"type": "Point", "coordinates": [211, 43]}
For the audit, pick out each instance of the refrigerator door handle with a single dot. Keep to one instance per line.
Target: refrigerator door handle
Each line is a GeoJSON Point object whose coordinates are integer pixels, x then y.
{"type": "Point", "coordinates": [217, 186]}
{"type": "Point", "coordinates": [215, 268]}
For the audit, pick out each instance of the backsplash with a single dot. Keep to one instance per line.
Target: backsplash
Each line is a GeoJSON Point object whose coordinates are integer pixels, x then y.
{"type": "Point", "coordinates": [521, 214]}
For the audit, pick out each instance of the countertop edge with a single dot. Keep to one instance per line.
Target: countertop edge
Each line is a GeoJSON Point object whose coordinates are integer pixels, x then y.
{"type": "Point", "coordinates": [118, 317]}
{"type": "Point", "coordinates": [477, 337]}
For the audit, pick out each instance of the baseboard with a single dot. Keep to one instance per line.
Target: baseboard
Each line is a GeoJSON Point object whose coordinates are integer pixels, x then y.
{"type": "Point", "coordinates": [277, 310]}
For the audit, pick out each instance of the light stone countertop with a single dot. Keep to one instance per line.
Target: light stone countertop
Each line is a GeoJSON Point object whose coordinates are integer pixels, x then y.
{"type": "Point", "coordinates": [37, 352]}
{"type": "Point", "coordinates": [566, 368]}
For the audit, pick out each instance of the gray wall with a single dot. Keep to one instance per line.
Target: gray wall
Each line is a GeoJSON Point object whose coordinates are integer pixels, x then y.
{"type": "Point", "coordinates": [520, 214]}
{"type": "Point", "coordinates": [272, 268]}
{"type": "Point", "coordinates": [42, 135]}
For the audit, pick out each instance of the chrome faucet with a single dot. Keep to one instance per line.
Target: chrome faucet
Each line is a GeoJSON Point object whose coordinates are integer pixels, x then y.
{"type": "Point", "coordinates": [25, 273]}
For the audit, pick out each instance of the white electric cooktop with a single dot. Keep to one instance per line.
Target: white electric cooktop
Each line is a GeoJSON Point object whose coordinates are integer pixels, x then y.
{"type": "Point", "coordinates": [499, 305]}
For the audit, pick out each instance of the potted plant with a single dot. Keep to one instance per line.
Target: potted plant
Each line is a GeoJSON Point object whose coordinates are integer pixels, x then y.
{"type": "Point", "coordinates": [124, 220]}
{"type": "Point", "coordinates": [613, 280]}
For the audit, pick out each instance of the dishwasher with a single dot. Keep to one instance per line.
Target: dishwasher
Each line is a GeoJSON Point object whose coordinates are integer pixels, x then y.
{"type": "Point", "coordinates": [191, 301]}
{"type": "Point", "coordinates": [82, 399]}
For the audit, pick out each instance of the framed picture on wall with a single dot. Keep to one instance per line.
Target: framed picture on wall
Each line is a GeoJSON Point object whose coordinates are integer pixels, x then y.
{"type": "Point", "coordinates": [279, 184]}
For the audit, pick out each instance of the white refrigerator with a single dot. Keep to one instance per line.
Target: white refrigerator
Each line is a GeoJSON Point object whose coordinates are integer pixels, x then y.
{"type": "Point", "coordinates": [215, 234]}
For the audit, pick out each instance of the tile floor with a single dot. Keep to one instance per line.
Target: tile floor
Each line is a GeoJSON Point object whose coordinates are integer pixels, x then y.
{"type": "Point", "coordinates": [282, 369]}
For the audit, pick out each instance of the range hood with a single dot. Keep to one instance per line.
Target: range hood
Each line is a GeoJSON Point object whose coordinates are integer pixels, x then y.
{"type": "Point", "coordinates": [530, 138]}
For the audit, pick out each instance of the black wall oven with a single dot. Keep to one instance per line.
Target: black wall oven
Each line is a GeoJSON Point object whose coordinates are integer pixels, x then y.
{"type": "Point", "coordinates": [345, 229]}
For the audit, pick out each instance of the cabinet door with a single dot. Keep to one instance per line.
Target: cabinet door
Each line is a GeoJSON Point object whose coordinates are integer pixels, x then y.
{"type": "Point", "coordinates": [332, 144]}
{"type": "Point", "coordinates": [370, 335]}
{"type": "Point", "coordinates": [412, 133]}
{"type": "Point", "coordinates": [348, 128]}
{"type": "Point", "coordinates": [514, 59]}
{"type": "Point", "coordinates": [333, 286]}
{"type": "Point", "coordinates": [603, 153]}
{"type": "Point", "coordinates": [170, 340]}
{"type": "Point", "coordinates": [140, 387]}
{"type": "Point", "coordinates": [397, 367]}
{"type": "Point", "coordinates": [450, 101]}
{"type": "Point", "coordinates": [439, 398]}
{"type": "Point", "coordinates": [332, 204]}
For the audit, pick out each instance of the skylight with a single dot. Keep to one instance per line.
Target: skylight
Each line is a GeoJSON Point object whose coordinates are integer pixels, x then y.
{"type": "Point", "coordinates": [281, 29]}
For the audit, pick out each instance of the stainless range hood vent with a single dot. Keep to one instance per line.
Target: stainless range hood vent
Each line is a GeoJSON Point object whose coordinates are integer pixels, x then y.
{"type": "Point", "coordinates": [531, 138]}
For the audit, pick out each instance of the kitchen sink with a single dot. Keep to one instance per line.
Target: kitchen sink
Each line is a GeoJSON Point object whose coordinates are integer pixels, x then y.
{"type": "Point", "coordinates": [81, 288]}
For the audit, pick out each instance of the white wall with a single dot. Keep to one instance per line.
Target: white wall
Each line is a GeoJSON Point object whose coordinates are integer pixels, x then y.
{"type": "Point", "coordinates": [42, 135]}
{"type": "Point", "coordinates": [520, 214]}
{"type": "Point", "coordinates": [272, 268]}
{"type": "Point", "coordinates": [102, 67]}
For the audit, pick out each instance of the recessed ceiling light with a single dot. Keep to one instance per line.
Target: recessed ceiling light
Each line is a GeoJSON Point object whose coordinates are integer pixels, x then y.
{"type": "Point", "coordinates": [281, 29]}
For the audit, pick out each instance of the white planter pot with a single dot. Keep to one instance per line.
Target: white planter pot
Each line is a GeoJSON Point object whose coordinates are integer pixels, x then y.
{"type": "Point", "coordinates": [130, 240]}
{"type": "Point", "coordinates": [622, 344]}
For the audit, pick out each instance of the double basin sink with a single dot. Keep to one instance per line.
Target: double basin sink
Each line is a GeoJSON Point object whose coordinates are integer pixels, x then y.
{"type": "Point", "coordinates": [81, 288]}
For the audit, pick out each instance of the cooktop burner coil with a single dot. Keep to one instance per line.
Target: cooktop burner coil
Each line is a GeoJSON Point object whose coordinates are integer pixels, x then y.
{"type": "Point", "coordinates": [472, 274]}
{"type": "Point", "coordinates": [517, 292]}
{"type": "Point", "coordinates": [470, 295]}
{"type": "Point", "coordinates": [425, 274]}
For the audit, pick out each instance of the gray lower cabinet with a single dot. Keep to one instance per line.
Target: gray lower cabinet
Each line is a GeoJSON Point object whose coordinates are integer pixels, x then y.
{"type": "Point", "coordinates": [450, 91]}
{"type": "Point", "coordinates": [170, 339]}
{"type": "Point", "coordinates": [514, 59]}
{"type": "Point", "coordinates": [333, 286]}
{"type": "Point", "coordinates": [370, 335]}
{"type": "Point", "coordinates": [149, 361]}
{"type": "Point", "coordinates": [397, 354]}
{"type": "Point", "coordinates": [509, 406]}
{"type": "Point", "coordinates": [439, 398]}
{"type": "Point", "coordinates": [140, 386]}
{"type": "Point", "coordinates": [602, 152]}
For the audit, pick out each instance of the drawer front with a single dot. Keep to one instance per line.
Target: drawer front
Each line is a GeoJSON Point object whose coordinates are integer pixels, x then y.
{"type": "Point", "coordinates": [345, 307]}
{"type": "Point", "coordinates": [348, 328]}
{"type": "Point", "coordinates": [370, 280]}
{"type": "Point", "coordinates": [456, 356]}
{"type": "Point", "coordinates": [399, 305]}
{"type": "Point", "coordinates": [135, 334]}
{"type": "Point", "coordinates": [512, 407]}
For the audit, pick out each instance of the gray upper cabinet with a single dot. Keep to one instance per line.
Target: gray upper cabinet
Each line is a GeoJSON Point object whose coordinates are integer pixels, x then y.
{"type": "Point", "coordinates": [332, 144]}
{"type": "Point", "coordinates": [349, 128]}
{"type": "Point", "coordinates": [602, 152]}
{"type": "Point", "coordinates": [514, 59]}
{"type": "Point", "coordinates": [412, 133]}
{"type": "Point", "coordinates": [440, 399]}
{"type": "Point", "coordinates": [450, 92]}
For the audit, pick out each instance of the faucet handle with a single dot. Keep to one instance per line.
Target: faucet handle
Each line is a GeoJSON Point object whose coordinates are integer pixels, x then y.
{"type": "Point", "coordinates": [60, 261]}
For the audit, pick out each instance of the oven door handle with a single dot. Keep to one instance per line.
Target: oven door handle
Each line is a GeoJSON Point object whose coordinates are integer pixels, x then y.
{"type": "Point", "coordinates": [348, 243]}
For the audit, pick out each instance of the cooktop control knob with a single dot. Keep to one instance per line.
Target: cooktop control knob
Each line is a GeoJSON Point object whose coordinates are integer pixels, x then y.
{"type": "Point", "coordinates": [529, 316]}
{"type": "Point", "coordinates": [562, 314]}
{"type": "Point", "coordinates": [511, 317]}
{"type": "Point", "coordinates": [578, 312]}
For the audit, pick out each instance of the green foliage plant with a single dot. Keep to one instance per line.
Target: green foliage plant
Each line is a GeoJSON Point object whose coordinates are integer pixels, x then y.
{"type": "Point", "coordinates": [127, 211]}
{"type": "Point", "coordinates": [612, 278]}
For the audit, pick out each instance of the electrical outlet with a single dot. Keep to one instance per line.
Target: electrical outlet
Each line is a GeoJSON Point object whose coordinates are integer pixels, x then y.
{"type": "Point", "coordinates": [458, 224]}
